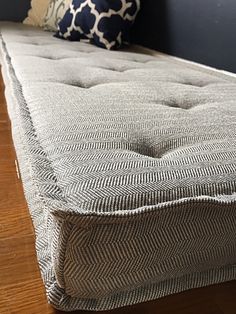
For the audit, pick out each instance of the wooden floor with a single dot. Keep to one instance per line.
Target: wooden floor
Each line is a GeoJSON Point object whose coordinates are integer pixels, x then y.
{"type": "Point", "coordinates": [21, 288]}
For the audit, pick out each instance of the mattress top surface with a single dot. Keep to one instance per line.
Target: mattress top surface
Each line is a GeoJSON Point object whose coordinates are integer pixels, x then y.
{"type": "Point", "coordinates": [122, 130]}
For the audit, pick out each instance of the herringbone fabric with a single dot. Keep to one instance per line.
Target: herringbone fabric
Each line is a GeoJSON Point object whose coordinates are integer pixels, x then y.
{"type": "Point", "coordinates": [128, 163]}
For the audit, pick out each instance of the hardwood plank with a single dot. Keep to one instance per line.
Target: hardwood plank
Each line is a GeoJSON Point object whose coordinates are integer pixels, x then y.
{"type": "Point", "coordinates": [33, 295]}
{"type": "Point", "coordinates": [5, 137]}
{"type": "Point", "coordinates": [12, 197]}
{"type": "Point", "coordinates": [5, 125]}
{"type": "Point", "coordinates": [19, 222]}
{"type": "Point", "coordinates": [8, 172]}
{"type": "Point", "coordinates": [4, 118]}
{"type": "Point", "coordinates": [18, 262]}
{"type": "Point", "coordinates": [7, 152]}
{"type": "Point", "coordinates": [4, 303]}
{"type": "Point", "coordinates": [225, 296]}
{"type": "Point", "coordinates": [3, 107]}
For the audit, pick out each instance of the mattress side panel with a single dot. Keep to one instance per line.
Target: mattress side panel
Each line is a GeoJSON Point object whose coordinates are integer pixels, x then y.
{"type": "Point", "coordinates": [40, 216]}
{"type": "Point", "coordinates": [49, 232]}
{"type": "Point", "coordinates": [77, 261]}
{"type": "Point", "coordinates": [107, 259]}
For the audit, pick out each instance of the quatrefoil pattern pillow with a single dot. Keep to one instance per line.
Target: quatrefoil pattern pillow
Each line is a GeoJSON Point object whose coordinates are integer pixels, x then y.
{"type": "Point", "coordinates": [106, 23]}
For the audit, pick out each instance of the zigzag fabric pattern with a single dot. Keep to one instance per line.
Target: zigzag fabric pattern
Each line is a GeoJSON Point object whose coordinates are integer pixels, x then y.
{"type": "Point", "coordinates": [128, 166]}
{"type": "Point", "coordinates": [106, 23]}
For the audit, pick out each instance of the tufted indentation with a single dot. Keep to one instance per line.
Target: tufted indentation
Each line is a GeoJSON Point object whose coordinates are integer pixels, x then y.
{"type": "Point", "coordinates": [125, 187]}
{"type": "Point", "coordinates": [173, 104]}
{"type": "Point", "coordinates": [87, 104]}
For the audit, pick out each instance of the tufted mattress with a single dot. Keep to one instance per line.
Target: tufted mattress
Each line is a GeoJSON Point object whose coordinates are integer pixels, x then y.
{"type": "Point", "coordinates": [128, 162]}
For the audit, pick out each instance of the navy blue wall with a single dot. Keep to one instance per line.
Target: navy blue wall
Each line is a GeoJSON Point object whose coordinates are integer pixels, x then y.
{"type": "Point", "coordinates": [198, 30]}
{"type": "Point", "coordinates": [14, 10]}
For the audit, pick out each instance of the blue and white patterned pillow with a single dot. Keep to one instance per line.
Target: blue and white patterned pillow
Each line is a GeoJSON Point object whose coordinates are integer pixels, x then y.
{"type": "Point", "coordinates": [106, 23]}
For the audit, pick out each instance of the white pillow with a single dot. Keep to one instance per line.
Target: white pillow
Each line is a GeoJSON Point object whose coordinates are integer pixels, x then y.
{"type": "Point", "coordinates": [56, 11]}
{"type": "Point", "coordinates": [37, 12]}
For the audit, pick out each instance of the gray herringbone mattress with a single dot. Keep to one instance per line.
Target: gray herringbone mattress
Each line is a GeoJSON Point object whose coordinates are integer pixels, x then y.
{"type": "Point", "coordinates": [129, 168]}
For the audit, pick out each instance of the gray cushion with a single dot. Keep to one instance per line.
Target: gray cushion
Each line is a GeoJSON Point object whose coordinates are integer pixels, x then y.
{"type": "Point", "coordinates": [128, 163]}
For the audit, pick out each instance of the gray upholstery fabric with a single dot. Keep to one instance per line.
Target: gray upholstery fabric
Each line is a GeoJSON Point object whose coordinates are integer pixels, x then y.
{"type": "Point", "coordinates": [128, 163]}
